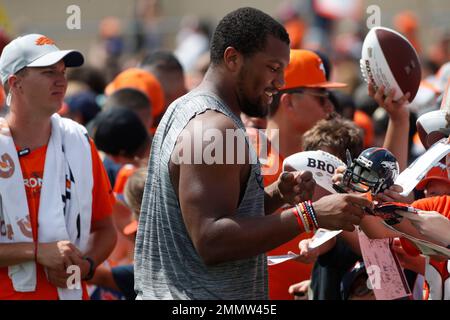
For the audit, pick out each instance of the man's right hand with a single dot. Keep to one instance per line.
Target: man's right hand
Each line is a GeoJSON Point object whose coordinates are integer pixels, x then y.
{"type": "Point", "coordinates": [340, 211]}
{"type": "Point", "coordinates": [58, 254]}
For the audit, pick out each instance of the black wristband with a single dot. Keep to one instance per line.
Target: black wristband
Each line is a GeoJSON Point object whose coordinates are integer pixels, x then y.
{"type": "Point", "coordinates": [91, 272]}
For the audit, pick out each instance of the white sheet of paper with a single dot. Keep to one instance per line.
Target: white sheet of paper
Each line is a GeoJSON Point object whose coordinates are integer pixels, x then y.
{"type": "Point", "coordinates": [321, 236]}
{"type": "Point", "coordinates": [412, 175]}
{"type": "Point", "coordinates": [273, 260]}
{"type": "Point", "coordinates": [383, 268]}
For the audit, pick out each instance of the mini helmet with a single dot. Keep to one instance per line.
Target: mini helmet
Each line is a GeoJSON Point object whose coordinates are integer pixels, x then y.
{"type": "Point", "coordinates": [374, 170]}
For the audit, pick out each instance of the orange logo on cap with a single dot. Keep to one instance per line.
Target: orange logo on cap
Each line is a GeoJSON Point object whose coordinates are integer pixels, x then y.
{"type": "Point", "coordinates": [44, 40]}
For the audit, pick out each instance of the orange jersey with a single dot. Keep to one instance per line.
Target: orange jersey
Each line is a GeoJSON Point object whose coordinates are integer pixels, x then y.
{"type": "Point", "coordinates": [32, 166]}
{"type": "Point", "coordinates": [440, 204]}
{"type": "Point", "coordinates": [283, 275]}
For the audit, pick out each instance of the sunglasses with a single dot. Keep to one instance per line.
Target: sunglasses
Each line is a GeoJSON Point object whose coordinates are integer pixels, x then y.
{"type": "Point", "coordinates": [323, 96]}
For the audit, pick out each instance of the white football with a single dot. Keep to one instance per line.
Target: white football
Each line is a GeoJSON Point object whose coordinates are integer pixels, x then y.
{"type": "Point", "coordinates": [321, 164]}
{"type": "Point", "coordinates": [389, 59]}
{"type": "Point", "coordinates": [430, 125]}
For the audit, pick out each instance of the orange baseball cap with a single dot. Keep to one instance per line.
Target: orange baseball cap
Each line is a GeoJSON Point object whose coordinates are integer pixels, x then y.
{"type": "Point", "coordinates": [435, 173]}
{"type": "Point", "coordinates": [306, 70]}
{"type": "Point", "coordinates": [141, 80]}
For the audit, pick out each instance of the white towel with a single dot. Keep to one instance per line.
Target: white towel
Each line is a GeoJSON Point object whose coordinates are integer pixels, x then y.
{"type": "Point", "coordinates": [63, 204]}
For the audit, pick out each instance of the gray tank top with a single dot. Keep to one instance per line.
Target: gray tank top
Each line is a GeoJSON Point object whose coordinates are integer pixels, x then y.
{"type": "Point", "coordinates": [167, 266]}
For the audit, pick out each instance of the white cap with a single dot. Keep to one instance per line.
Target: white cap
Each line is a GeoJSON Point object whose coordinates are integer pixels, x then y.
{"type": "Point", "coordinates": [321, 164]}
{"type": "Point", "coordinates": [34, 50]}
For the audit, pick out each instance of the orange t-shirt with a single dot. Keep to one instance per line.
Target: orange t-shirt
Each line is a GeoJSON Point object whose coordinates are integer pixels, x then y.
{"type": "Point", "coordinates": [283, 275]}
{"type": "Point", "coordinates": [32, 166]}
{"type": "Point", "coordinates": [440, 204]}
{"type": "Point", "coordinates": [122, 177]}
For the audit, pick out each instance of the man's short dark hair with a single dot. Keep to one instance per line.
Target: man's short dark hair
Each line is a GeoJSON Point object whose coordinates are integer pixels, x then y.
{"type": "Point", "coordinates": [128, 98]}
{"type": "Point", "coordinates": [120, 132]}
{"type": "Point", "coordinates": [162, 61]}
{"type": "Point", "coordinates": [246, 30]}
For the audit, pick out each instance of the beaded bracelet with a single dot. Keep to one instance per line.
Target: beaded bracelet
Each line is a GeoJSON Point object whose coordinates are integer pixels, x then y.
{"type": "Point", "coordinates": [304, 217]}
{"type": "Point", "coordinates": [308, 211]}
{"type": "Point", "coordinates": [312, 213]}
{"type": "Point", "coordinates": [307, 216]}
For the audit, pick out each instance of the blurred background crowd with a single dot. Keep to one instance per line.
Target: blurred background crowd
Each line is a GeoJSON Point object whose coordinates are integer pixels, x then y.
{"type": "Point", "coordinates": [118, 35]}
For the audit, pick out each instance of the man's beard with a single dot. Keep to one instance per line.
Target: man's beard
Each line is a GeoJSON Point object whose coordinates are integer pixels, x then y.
{"type": "Point", "coordinates": [250, 108]}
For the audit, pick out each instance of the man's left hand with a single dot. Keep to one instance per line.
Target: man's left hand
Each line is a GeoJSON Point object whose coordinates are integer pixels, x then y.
{"type": "Point", "coordinates": [295, 187]}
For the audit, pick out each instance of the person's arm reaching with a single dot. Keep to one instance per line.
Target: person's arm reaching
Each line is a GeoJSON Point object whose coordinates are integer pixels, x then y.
{"type": "Point", "coordinates": [431, 224]}
{"type": "Point", "coordinates": [396, 139]}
